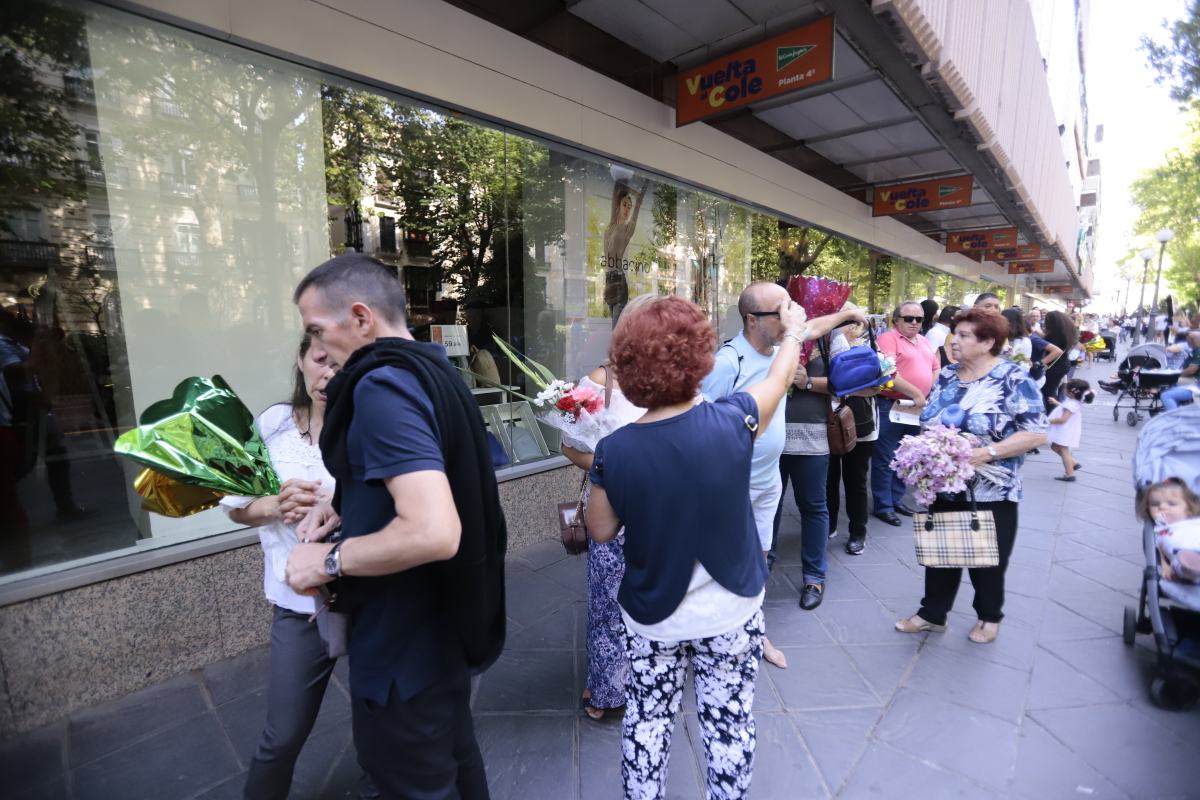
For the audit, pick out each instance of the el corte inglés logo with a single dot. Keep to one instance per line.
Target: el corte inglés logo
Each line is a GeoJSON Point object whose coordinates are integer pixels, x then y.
{"type": "Point", "coordinates": [786, 55]}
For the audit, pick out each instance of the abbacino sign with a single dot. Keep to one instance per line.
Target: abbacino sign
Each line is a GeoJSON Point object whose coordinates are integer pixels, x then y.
{"type": "Point", "coordinates": [781, 64]}
{"type": "Point", "coordinates": [985, 239]}
{"type": "Point", "coordinates": [913, 198]}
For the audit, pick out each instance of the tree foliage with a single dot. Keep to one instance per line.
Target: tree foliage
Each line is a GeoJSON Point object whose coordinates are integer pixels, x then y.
{"type": "Point", "coordinates": [1169, 197]}
{"type": "Point", "coordinates": [37, 136]}
{"type": "Point", "coordinates": [1177, 60]}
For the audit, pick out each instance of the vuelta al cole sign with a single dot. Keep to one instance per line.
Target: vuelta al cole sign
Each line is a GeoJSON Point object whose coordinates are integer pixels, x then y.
{"type": "Point", "coordinates": [781, 64]}
{"type": "Point", "coordinates": [913, 198]}
{"type": "Point", "coordinates": [985, 239]}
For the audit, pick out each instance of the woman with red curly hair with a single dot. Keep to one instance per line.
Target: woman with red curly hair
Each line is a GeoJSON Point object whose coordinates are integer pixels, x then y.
{"type": "Point", "coordinates": [678, 481]}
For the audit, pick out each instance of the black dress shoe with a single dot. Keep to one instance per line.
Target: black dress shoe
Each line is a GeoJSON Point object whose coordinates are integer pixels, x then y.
{"type": "Point", "coordinates": [812, 595]}
{"type": "Point", "coordinates": [902, 510]}
{"type": "Point", "coordinates": [889, 518]}
{"type": "Point", "coordinates": [856, 545]}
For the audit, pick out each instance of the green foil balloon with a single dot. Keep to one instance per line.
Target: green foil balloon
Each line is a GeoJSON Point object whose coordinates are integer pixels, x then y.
{"type": "Point", "coordinates": [203, 436]}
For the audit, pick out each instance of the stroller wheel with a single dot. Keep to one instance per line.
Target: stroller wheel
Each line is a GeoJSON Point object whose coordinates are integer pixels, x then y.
{"type": "Point", "coordinates": [1129, 628]}
{"type": "Point", "coordinates": [1131, 419]}
{"type": "Point", "coordinates": [1116, 413]}
{"type": "Point", "coordinates": [1174, 692]}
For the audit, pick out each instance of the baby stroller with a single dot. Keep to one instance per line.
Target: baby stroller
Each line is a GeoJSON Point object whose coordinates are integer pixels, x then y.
{"type": "Point", "coordinates": [1140, 377]}
{"type": "Point", "coordinates": [1169, 446]}
{"type": "Point", "coordinates": [1109, 353]}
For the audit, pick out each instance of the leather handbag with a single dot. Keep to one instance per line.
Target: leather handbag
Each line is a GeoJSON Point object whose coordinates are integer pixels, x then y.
{"type": "Point", "coordinates": [572, 527]}
{"type": "Point", "coordinates": [840, 425]}
{"type": "Point", "coordinates": [571, 524]}
{"type": "Point", "coordinates": [956, 538]}
{"type": "Point", "coordinates": [842, 429]}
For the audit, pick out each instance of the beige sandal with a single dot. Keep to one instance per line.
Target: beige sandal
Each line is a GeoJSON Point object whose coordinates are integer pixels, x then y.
{"type": "Point", "coordinates": [773, 655]}
{"type": "Point", "coordinates": [915, 624]}
{"type": "Point", "coordinates": [984, 632]}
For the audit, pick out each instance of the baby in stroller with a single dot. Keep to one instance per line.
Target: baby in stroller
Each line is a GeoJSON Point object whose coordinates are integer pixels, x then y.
{"type": "Point", "coordinates": [1175, 511]}
{"type": "Point", "coordinates": [1166, 472]}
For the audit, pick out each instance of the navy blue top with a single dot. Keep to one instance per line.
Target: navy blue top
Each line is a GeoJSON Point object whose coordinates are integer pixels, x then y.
{"type": "Point", "coordinates": [681, 487]}
{"type": "Point", "coordinates": [400, 637]}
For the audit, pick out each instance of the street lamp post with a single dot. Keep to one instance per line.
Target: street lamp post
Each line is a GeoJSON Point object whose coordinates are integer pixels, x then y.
{"type": "Point", "coordinates": [1163, 236]}
{"type": "Point", "coordinates": [1146, 255]}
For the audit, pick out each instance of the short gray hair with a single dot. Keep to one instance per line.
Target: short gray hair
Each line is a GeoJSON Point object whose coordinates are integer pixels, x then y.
{"type": "Point", "coordinates": [899, 308]}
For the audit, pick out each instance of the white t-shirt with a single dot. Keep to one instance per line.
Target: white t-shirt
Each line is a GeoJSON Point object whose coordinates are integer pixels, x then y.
{"type": "Point", "coordinates": [708, 609]}
{"type": "Point", "coordinates": [293, 456]}
{"type": "Point", "coordinates": [936, 336]}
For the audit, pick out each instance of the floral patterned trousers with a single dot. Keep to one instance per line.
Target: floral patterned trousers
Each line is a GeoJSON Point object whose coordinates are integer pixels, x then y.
{"type": "Point", "coordinates": [607, 668]}
{"type": "Point", "coordinates": [725, 670]}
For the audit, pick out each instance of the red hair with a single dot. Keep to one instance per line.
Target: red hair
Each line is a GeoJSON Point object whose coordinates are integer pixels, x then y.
{"type": "Point", "coordinates": [987, 324]}
{"type": "Point", "coordinates": [662, 351]}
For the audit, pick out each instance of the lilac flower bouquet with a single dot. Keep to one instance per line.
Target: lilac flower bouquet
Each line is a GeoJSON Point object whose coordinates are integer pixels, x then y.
{"type": "Point", "coordinates": [936, 461]}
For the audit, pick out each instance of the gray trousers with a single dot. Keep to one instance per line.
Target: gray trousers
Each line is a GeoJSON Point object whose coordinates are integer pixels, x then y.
{"type": "Point", "coordinates": [300, 672]}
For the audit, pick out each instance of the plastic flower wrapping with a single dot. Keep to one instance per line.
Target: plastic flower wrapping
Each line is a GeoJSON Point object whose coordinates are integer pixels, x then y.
{"type": "Point", "coordinates": [576, 411]}
{"type": "Point", "coordinates": [818, 297]}
{"type": "Point", "coordinates": [887, 369]}
{"type": "Point", "coordinates": [937, 461]}
{"type": "Point", "coordinates": [197, 445]}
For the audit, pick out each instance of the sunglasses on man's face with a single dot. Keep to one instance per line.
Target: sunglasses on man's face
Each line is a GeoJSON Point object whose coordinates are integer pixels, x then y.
{"type": "Point", "coordinates": [912, 320]}
{"type": "Point", "coordinates": [764, 313]}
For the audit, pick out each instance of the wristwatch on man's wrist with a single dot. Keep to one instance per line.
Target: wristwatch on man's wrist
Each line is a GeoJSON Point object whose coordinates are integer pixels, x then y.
{"type": "Point", "coordinates": [333, 561]}
{"type": "Point", "coordinates": [992, 452]}
{"type": "Point", "coordinates": [808, 385]}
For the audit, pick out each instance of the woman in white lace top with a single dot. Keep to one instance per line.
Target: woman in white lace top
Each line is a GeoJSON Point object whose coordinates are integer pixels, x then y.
{"type": "Point", "coordinates": [300, 666]}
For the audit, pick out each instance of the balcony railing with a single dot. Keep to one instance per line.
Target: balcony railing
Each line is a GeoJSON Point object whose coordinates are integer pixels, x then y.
{"type": "Point", "coordinates": [101, 174]}
{"type": "Point", "coordinates": [171, 184]}
{"type": "Point", "coordinates": [247, 191]}
{"type": "Point", "coordinates": [168, 108]}
{"type": "Point", "coordinates": [183, 260]}
{"type": "Point", "coordinates": [28, 254]}
{"type": "Point", "coordinates": [79, 90]}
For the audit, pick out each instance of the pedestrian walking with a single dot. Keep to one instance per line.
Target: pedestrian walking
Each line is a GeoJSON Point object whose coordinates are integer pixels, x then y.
{"type": "Point", "coordinates": [1066, 425]}
{"type": "Point", "coordinates": [1062, 333]}
{"type": "Point", "coordinates": [916, 368]}
{"type": "Point", "coordinates": [301, 662]}
{"type": "Point", "coordinates": [694, 568]}
{"type": "Point", "coordinates": [419, 560]}
{"type": "Point", "coordinates": [998, 404]}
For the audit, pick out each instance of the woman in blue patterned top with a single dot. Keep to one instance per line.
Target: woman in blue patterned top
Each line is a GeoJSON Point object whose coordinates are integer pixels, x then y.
{"type": "Point", "coordinates": [995, 400]}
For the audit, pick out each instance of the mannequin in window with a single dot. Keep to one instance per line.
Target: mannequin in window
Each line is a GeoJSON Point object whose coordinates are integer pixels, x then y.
{"type": "Point", "coordinates": [626, 204]}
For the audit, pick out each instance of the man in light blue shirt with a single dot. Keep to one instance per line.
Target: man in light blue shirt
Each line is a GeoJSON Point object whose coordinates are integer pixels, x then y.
{"type": "Point", "coordinates": [744, 361]}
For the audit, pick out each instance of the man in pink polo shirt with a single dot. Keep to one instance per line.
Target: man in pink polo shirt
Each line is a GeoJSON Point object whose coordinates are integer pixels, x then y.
{"type": "Point", "coordinates": [916, 367]}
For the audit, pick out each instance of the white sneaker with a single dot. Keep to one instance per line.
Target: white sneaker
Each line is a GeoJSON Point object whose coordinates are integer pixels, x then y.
{"type": "Point", "coordinates": [833, 534]}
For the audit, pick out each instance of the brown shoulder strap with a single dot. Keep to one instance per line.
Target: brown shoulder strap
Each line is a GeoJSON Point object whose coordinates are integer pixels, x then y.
{"type": "Point", "coordinates": [608, 384]}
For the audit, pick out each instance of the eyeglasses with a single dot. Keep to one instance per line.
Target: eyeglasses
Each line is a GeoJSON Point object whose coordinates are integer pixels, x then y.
{"type": "Point", "coordinates": [762, 313]}
{"type": "Point", "coordinates": [911, 320]}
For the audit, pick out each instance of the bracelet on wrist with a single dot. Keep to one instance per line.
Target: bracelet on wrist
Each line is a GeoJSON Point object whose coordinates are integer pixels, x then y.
{"type": "Point", "coordinates": [790, 335]}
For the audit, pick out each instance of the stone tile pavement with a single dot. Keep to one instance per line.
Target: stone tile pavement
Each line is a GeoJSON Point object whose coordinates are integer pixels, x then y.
{"type": "Point", "coordinates": [1056, 708]}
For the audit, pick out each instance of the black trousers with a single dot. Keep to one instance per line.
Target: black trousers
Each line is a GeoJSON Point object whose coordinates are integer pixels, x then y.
{"type": "Point", "coordinates": [422, 748]}
{"type": "Point", "coordinates": [941, 583]}
{"type": "Point", "coordinates": [851, 470]}
{"type": "Point", "coordinates": [1054, 376]}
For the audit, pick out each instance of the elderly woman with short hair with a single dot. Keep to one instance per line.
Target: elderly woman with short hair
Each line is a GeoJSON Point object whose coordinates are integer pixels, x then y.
{"type": "Point", "coordinates": [678, 480]}
{"type": "Point", "coordinates": [1002, 407]}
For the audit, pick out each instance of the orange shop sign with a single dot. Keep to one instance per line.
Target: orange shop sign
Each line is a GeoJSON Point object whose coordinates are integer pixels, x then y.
{"type": "Point", "coordinates": [1061, 288]}
{"type": "Point", "coordinates": [984, 239]}
{"type": "Point", "coordinates": [781, 64]}
{"type": "Point", "coordinates": [913, 198]}
{"type": "Point", "coordinates": [1022, 252]}
{"type": "Point", "coordinates": [1026, 267]}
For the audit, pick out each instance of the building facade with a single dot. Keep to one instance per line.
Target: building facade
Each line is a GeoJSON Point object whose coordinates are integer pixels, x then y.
{"type": "Point", "coordinates": [184, 165]}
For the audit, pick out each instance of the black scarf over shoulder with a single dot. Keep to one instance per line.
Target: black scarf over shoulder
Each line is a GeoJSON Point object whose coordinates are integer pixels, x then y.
{"type": "Point", "coordinates": [473, 580]}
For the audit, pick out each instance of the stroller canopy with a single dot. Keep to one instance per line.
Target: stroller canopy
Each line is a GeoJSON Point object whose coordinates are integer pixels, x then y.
{"type": "Point", "coordinates": [1151, 349]}
{"type": "Point", "coordinates": [1169, 447]}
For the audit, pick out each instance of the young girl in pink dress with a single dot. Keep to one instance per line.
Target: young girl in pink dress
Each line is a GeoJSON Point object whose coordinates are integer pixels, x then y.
{"type": "Point", "coordinates": [1066, 425]}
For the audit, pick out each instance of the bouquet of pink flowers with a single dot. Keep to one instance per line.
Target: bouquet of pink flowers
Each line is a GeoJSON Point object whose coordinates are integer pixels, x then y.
{"type": "Point", "coordinates": [938, 460]}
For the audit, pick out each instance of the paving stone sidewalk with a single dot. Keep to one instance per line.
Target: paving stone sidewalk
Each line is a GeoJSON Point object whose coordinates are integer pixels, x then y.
{"type": "Point", "coordinates": [1056, 708]}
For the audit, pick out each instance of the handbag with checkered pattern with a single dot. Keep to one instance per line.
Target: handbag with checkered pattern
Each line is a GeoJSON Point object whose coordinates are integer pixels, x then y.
{"type": "Point", "coordinates": [956, 538]}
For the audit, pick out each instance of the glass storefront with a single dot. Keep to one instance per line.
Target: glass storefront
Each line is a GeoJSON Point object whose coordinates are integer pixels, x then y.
{"type": "Point", "coordinates": [161, 193]}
